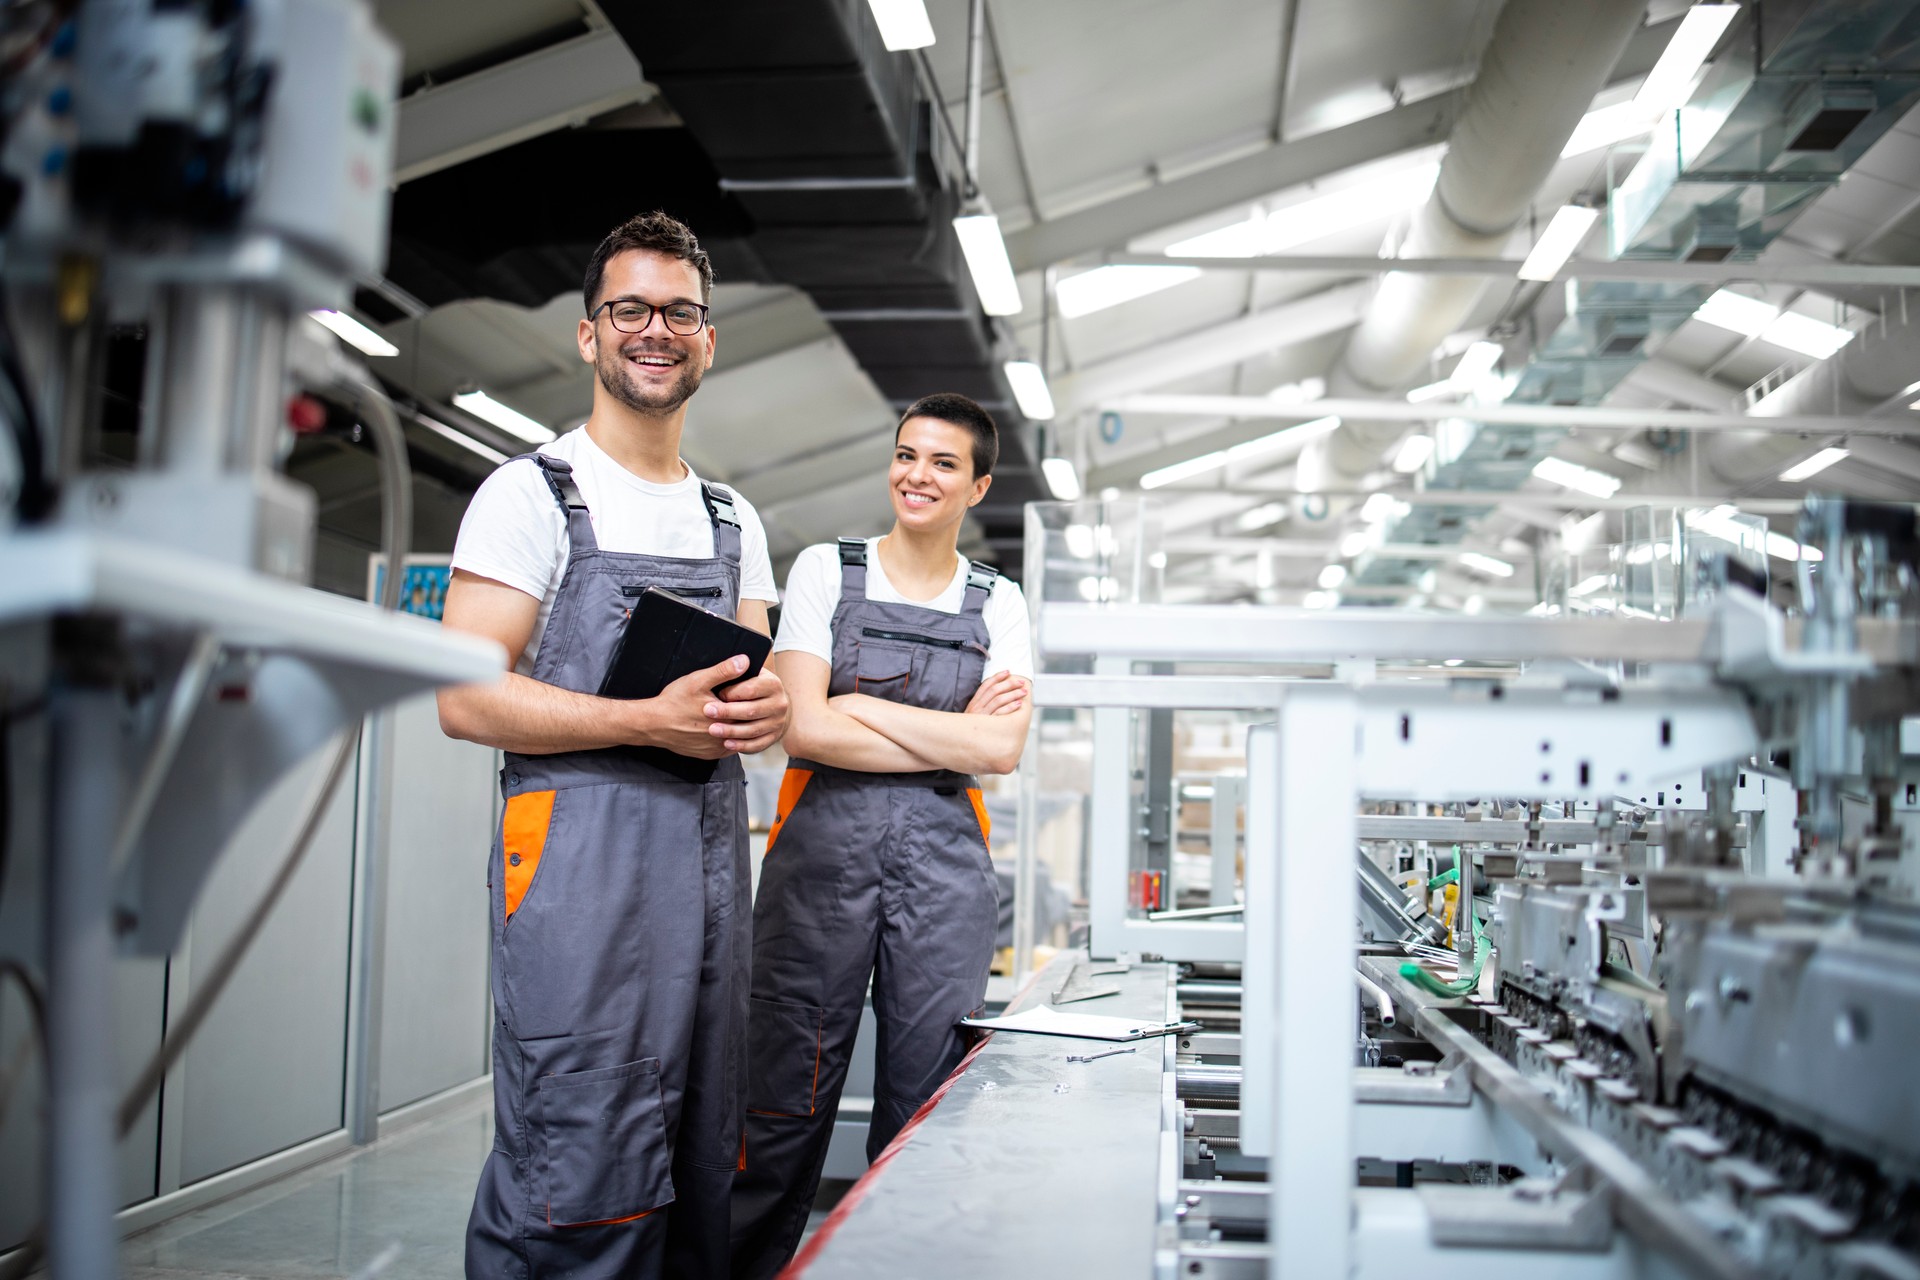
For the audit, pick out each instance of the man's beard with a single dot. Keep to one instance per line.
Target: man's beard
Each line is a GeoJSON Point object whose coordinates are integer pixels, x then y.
{"type": "Point", "coordinates": [615, 375]}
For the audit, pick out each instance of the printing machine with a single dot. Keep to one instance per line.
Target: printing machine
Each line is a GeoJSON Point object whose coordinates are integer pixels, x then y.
{"type": "Point", "coordinates": [1667, 1028]}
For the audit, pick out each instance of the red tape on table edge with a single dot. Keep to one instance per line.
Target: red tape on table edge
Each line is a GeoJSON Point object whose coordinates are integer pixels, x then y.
{"type": "Point", "coordinates": [858, 1191]}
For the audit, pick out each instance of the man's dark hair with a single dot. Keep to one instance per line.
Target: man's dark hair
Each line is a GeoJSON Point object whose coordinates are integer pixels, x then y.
{"type": "Point", "coordinates": [957, 410]}
{"type": "Point", "coordinates": [654, 232]}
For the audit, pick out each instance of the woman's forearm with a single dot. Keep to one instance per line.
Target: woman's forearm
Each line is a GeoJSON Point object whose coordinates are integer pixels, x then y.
{"type": "Point", "coordinates": [835, 738]}
{"type": "Point", "coordinates": [949, 739]}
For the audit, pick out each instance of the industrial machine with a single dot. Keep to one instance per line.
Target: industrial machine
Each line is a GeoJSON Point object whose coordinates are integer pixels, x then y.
{"type": "Point", "coordinates": [1592, 954]}
{"type": "Point", "coordinates": [186, 182]}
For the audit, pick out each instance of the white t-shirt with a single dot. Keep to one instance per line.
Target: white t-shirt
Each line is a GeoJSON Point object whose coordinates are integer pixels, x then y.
{"type": "Point", "coordinates": [813, 593]}
{"type": "Point", "coordinates": [514, 532]}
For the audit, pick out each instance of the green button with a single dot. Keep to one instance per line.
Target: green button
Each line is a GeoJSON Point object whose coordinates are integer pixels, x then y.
{"type": "Point", "coordinates": [366, 111]}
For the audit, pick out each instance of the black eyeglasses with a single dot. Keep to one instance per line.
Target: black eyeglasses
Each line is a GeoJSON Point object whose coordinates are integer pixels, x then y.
{"type": "Point", "coordinates": [628, 316]}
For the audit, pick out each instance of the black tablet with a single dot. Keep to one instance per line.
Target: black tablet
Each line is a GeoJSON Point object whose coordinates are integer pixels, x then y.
{"type": "Point", "coordinates": [667, 638]}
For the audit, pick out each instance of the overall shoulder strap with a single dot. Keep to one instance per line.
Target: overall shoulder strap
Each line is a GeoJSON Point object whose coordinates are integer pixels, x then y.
{"type": "Point", "coordinates": [980, 580]}
{"type": "Point", "coordinates": [726, 521]}
{"type": "Point", "coordinates": [853, 568]}
{"type": "Point", "coordinates": [566, 494]}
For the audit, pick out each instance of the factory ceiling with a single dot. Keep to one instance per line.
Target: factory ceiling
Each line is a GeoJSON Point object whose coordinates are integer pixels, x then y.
{"type": "Point", "coordinates": [1108, 127]}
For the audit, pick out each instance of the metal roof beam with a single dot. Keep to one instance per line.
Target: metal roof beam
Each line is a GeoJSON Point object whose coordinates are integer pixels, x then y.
{"type": "Point", "coordinates": [1810, 273]}
{"type": "Point", "coordinates": [1287, 164]}
{"type": "Point", "coordinates": [1261, 408]}
{"type": "Point", "coordinates": [1214, 347]}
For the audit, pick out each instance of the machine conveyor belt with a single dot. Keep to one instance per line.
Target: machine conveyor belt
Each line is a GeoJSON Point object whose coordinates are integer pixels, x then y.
{"type": "Point", "coordinates": [974, 1187]}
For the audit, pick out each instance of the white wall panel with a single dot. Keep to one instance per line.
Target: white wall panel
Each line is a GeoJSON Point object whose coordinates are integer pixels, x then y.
{"type": "Point", "coordinates": [433, 1007]}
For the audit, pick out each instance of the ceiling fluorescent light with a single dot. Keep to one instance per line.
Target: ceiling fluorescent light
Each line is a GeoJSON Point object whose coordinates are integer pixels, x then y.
{"type": "Point", "coordinates": [1260, 517]}
{"type": "Point", "coordinates": [1752, 318]}
{"type": "Point", "coordinates": [1806, 335]}
{"type": "Point", "coordinates": [1103, 287]}
{"type": "Point", "coordinates": [1606, 126]}
{"type": "Point", "coordinates": [1355, 543]}
{"type": "Point", "coordinates": [1486, 564]}
{"type": "Point", "coordinates": [460, 438]}
{"type": "Point", "coordinates": [1332, 576]}
{"type": "Point", "coordinates": [487, 409]}
{"type": "Point", "coordinates": [352, 331]}
{"type": "Point", "coordinates": [1184, 470]}
{"type": "Point", "coordinates": [1413, 454]}
{"type": "Point", "coordinates": [1667, 85]}
{"type": "Point", "coordinates": [1737, 313]}
{"type": "Point", "coordinates": [1062, 479]}
{"type": "Point", "coordinates": [1432, 391]}
{"type": "Point", "coordinates": [1238, 453]}
{"type": "Point", "coordinates": [987, 262]}
{"type": "Point", "coordinates": [1589, 585]}
{"type": "Point", "coordinates": [1557, 243]}
{"type": "Point", "coordinates": [1571, 475]}
{"type": "Point", "coordinates": [1316, 218]}
{"type": "Point", "coordinates": [903, 24]}
{"type": "Point", "coordinates": [1272, 440]}
{"type": "Point", "coordinates": [1380, 507]}
{"type": "Point", "coordinates": [1475, 364]}
{"type": "Point", "coordinates": [1813, 466]}
{"type": "Point", "coordinates": [1320, 599]}
{"type": "Point", "coordinates": [1030, 389]}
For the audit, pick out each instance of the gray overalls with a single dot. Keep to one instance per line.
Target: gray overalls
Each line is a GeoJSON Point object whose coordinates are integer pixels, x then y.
{"type": "Point", "coordinates": [620, 963]}
{"type": "Point", "coordinates": [867, 875]}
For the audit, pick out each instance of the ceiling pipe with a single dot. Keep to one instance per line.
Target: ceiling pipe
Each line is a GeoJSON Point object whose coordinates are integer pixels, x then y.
{"type": "Point", "coordinates": [1866, 373]}
{"type": "Point", "coordinates": [1542, 67]}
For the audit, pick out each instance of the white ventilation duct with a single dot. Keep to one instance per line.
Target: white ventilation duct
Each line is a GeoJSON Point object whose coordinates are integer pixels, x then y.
{"type": "Point", "coordinates": [1872, 369]}
{"type": "Point", "coordinates": [1543, 65]}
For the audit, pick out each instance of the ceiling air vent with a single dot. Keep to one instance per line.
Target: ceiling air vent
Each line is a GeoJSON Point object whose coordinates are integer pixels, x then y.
{"type": "Point", "coordinates": [1825, 113]}
{"type": "Point", "coordinates": [1709, 234]}
{"type": "Point", "coordinates": [1621, 333]}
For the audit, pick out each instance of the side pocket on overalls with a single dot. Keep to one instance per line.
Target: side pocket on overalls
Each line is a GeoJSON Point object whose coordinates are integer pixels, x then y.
{"type": "Point", "coordinates": [606, 1140]}
{"type": "Point", "coordinates": [783, 1057]}
{"type": "Point", "coordinates": [523, 838]}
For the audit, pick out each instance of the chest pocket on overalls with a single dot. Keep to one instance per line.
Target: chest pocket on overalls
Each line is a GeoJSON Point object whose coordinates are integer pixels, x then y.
{"type": "Point", "coordinates": [915, 668]}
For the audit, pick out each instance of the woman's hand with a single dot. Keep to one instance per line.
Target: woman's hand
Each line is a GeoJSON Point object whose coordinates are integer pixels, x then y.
{"type": "Point", "coordinates": [999, 694]}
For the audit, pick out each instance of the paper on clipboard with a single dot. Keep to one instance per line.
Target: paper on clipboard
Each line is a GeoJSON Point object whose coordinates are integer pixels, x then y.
{"type": "Point", "coordinates": [1086, 1026]}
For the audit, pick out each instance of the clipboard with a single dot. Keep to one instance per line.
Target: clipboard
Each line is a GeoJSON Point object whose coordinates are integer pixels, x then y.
{"type": "Point", "coordinates": [666, 638]}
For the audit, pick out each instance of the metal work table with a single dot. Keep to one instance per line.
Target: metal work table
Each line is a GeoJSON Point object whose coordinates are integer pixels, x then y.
{"type": "Point", "coordinates": [980, 1187]}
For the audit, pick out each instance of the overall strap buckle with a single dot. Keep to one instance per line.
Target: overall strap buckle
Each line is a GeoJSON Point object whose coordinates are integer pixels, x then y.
{"type": "Point", "coordinates": [719, 504]}
{"type": "Point", "coordinates": [980, 580]}
{"type": "Point", "coordinates": [853, 552]}
{"type": "Point", "coordinates": [559, 477]}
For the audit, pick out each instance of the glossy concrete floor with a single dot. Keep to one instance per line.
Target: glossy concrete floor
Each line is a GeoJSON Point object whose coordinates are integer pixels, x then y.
{"type": "Point", "coordinates": [396, 1210]}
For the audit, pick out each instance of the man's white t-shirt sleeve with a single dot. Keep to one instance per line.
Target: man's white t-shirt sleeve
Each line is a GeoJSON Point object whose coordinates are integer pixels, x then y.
{"type": "Point", "coordinates": [813, 592]}
{"type": "Point", "coordinates": [756, 565]}
{"type": "Point", "coordinates": [513, 531]}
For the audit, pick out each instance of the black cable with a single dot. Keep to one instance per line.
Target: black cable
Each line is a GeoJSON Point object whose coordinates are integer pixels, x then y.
{"type": "Point", "coordinates": [27, 1256]}
{"type": "Point", "coordinates": [9, 716]}
{"type": "Point", "coordinates": [36, 1010]}
{"type": "Point", "coordinates": [35, 500]}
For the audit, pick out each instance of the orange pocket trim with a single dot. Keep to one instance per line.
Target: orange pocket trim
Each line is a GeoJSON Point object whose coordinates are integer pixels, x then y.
{"type": "Point", "coordinates": [980, 815]}
{"type": "Point", "coordinates": [601, 1222]}
{"type": "Point", "coordinates": [792, 783]}
{"type": "Point", "coordinates": [524, 832]}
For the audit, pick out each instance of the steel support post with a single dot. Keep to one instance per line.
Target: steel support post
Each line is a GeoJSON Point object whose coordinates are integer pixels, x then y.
{"type": "Point", "coordinates": [1316, 782]}
{"type": "Point", "coordinates": [82, 1092]}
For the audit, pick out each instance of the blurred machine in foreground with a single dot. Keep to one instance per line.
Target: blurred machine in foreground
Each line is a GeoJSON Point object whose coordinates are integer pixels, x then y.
{"type": "Point", "coordinates": [196, 177]}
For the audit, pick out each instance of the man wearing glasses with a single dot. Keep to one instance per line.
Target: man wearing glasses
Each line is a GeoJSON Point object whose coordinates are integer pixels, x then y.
{"type": "Point", "coordinates": [620, 891]}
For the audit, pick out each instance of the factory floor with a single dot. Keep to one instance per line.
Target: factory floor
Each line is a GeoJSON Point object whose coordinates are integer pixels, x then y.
{"type": "Point", "coordinates": [396, 1210]}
